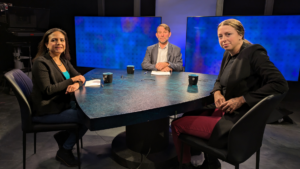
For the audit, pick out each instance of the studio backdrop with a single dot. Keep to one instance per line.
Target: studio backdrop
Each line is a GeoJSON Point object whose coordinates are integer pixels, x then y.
{"type": "Point", "coordinates": [280, 35]}
{"type": "Point", "coordinates": [114, 42]}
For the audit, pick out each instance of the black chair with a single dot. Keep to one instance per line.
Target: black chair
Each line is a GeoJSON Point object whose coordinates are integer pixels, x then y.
{"type": "Point", "coordinates": [245, 137]}
{"type": "Point", "coordinates": [22, 87]}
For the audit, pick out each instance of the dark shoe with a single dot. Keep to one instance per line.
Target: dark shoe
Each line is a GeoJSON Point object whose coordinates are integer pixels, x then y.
{"type": "Point", "coordinates": [61, 138]}
{"type": "Point", "coordinates": [288, 119]}
{"type": "Point", "coordinates": [210, 162]}
{"type": "Point", "coordinates": [66, 157]}
{"type": "Point", "coordinates": [213, 164]}
{"type": "Point", "coordinates": [188, 166]}
{"type": "Point", "coordinates": [195, 152]}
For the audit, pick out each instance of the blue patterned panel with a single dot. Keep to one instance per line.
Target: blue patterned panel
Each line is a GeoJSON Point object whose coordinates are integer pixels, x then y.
{"type": "Point", "coordinates": [114, 42]}
{"type": "Point", "coordinates": [280, 35]}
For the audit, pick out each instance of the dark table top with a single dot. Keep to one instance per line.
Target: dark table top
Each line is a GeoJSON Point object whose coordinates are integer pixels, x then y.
{"type": "Point", "coordinates": [140, 97]}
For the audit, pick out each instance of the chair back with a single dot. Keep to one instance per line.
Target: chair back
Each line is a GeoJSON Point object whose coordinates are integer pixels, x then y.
{"type": "Point", "coordinates": [22, 87]}
{"type": "Point", "coordinates": [245, 137]}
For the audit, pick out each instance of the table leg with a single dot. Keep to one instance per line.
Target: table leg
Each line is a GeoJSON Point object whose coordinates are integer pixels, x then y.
{"type": "Point", "coordinates": [145, 145]}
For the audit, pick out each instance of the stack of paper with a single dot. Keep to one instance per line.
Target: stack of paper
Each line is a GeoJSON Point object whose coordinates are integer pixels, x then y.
{"type": "Point", "coordinates": [160, 73]}
{"type": "Point", "coordinates": [95, 83]}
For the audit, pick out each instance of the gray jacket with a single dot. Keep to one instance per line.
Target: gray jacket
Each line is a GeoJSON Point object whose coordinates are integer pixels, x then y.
{"type": "Point", "coordinates": [174, 57]}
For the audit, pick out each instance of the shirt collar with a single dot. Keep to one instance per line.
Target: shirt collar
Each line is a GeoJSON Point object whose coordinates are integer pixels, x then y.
{"type": "Point", "coordinates": [234, 56]}
{"type": "Point", "coordinates": [166, 47]}
{"type": "Point", "coordinates": [242, 47]}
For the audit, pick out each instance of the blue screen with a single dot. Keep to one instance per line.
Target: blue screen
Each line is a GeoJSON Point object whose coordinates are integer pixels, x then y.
{"type": "Point", "coordinates": [114, 42]}
{"type": "Point", "coordinates": [280, 35]}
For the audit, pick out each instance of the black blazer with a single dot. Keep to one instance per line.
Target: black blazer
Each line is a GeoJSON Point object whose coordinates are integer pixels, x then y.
{"type": "Point", "coordinates": [49, 86]}
{"type": "Point", "coordinates": [253, 76]}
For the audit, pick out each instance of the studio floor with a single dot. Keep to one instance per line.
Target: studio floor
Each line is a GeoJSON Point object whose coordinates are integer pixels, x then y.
{"type": "Point", "coordinates": [280, 149]}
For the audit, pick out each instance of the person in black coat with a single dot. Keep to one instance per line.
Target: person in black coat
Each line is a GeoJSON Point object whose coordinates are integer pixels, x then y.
{"type": "Point", "coordinates": [54, 82]}
{"type": "Point", "coordinates": [246, 77]}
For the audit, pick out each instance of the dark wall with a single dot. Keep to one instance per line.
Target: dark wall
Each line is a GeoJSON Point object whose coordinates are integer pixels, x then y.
{"type": "Point", "coordinates": [148, 7]}
{"type": "Point", "coordinates": [126, 7]}
{"type": "Point", "coordinates": [119, 7]}
{"type": "Point", "coordinates": [286, 7]}
{"type": "Point", "coordinates": [244, 7]}
{"type": "Point", "coordinates": [62, 14]}
{"type": "Point", "coordinates": [257, 7]}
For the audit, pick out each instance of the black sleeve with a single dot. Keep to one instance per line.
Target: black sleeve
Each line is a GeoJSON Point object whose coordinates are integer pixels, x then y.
{"type": "Point", "coordinates": [41, 75]}
{"type": "Point", "coordinates": [217, 85]}
{"type": "Point", "coordinates": [273, 80]}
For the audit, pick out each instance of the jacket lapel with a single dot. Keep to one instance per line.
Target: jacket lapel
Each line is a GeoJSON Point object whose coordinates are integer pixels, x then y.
{"type": "Point", "coordinates": [169, 51]}
{"type": "Point", "coordinates": [235, 73]}
{"type": "Point", "coordinates": [232, 79]}
{"type": "Point", "coordinates": [54, 64]}
{"type": "Point", "coordinates": [226, 61]}
{"type": "Point", "coordinates": [155, 54]}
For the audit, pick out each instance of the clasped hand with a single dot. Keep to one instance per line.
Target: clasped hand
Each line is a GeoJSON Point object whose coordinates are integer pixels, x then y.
{"type": "Point", "coordinates": [75, 86]}
{"type": "Point", "coordinates": [161, 65]}
{"type": "Point", "coordinates": [72, 88]}
{"type": "Point", "coordinates": [227, 106]}
{"type": "Point", "coordinates": [166, 69]}
{"type": "Point", "coordinates": [78, 78]}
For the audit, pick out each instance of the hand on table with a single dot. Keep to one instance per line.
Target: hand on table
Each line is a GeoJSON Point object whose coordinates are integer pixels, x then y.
{"type": "Point", "coordinates": [161, 65]}
{"type": "Point", "coordinates": [72, 88]}
{"type": "Point", "coordinates": [167, 69]}
{"type": "Point", "coordinates": [78, 78]}
{"type": "Point", "coordinates": [232, 104]}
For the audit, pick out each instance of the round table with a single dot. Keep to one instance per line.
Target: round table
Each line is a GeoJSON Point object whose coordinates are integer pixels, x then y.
{"type": "Point", "coordinates": [143, 103]}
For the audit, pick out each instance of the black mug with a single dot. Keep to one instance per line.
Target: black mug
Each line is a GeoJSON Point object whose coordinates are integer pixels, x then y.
{"type": "Point", "coordinates": [193, 79]}
{"type": "Point", "coordinates": [107, 77]}
{"type": "Point", "coordinates": [130, 69]}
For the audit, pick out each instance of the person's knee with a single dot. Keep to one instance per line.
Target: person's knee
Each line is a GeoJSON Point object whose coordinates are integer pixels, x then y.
{"type": "Point", "coordinates": [175, 125]}
{"type": "Point", "coordinates": [174, 122]}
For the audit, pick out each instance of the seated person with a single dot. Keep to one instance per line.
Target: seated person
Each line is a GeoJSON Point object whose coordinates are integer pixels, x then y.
{"type": "Point", "coordinates": [54, 82]}
{"type": "Point", "coordinates": [246, 77]}
{"type": "Point", "coordinates": [163, 56]}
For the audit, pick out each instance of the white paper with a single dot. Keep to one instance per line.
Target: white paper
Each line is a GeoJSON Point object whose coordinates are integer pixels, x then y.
{"type": "Point", "coordinates": [95, 82]}
{"type": "Point", "coordinates": [160, 73]}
